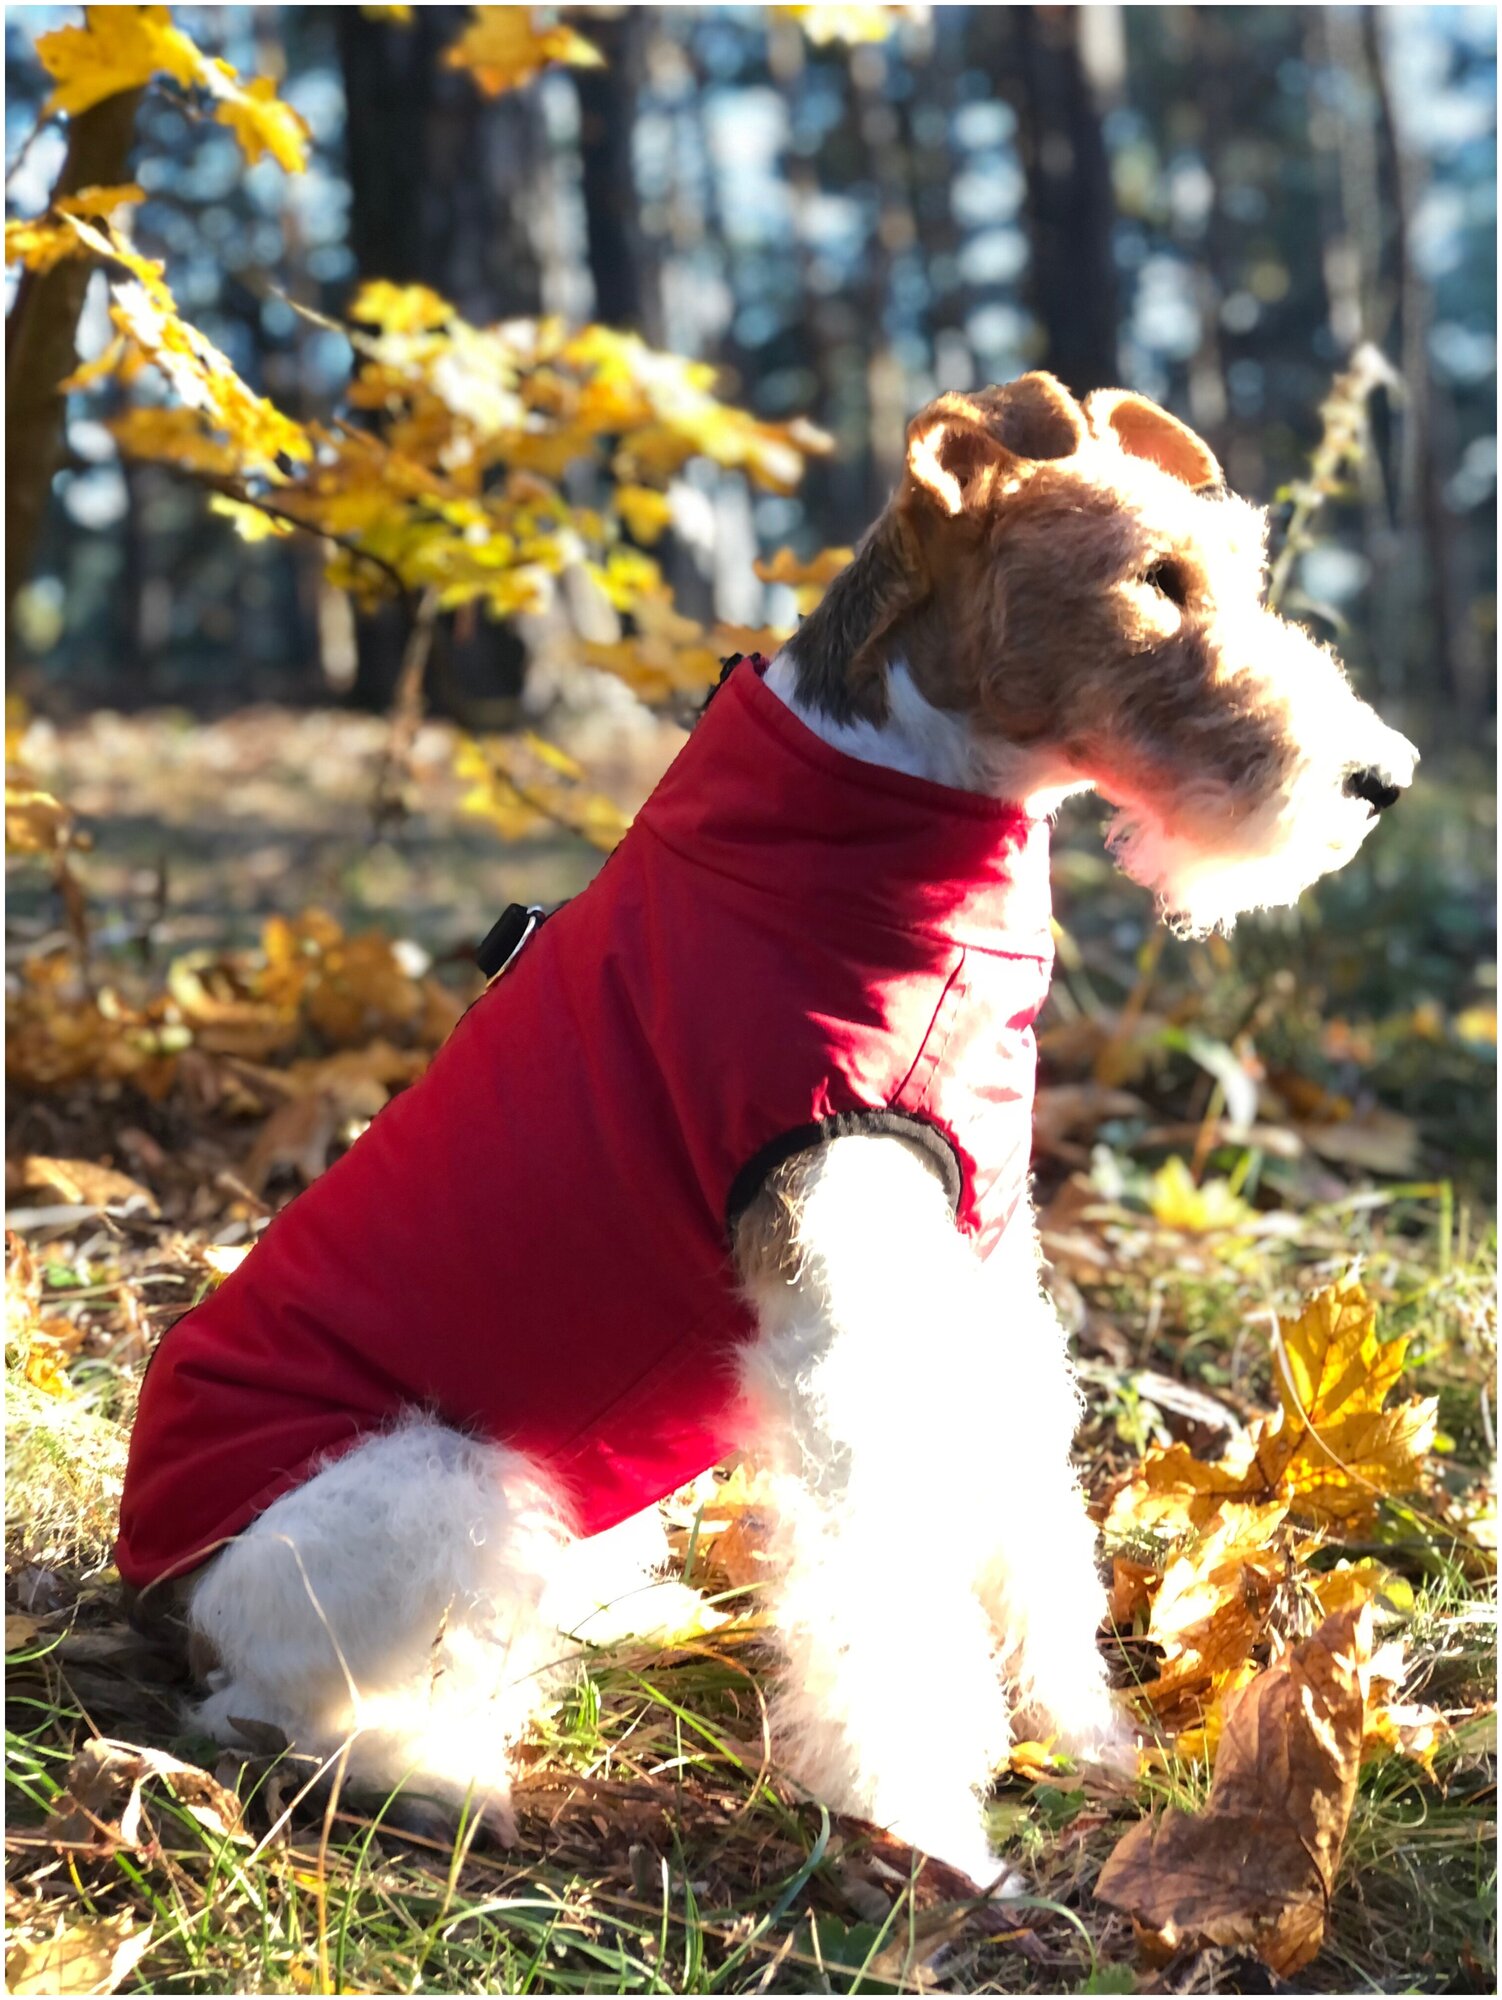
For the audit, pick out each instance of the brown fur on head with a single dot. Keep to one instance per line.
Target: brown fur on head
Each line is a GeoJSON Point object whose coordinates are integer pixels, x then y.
{"type": "Point", "coordinates": [1073, 581]}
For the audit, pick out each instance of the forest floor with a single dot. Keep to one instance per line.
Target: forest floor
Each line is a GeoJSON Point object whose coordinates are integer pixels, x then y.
{"type": "Point", "coordinates": [1223, 1130]}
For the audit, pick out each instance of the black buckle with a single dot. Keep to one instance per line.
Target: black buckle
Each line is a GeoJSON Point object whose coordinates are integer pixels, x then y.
{"type": "Point", "coordinates": [727, 668]}
{"type": "Point", "coordinates": [506, 937]}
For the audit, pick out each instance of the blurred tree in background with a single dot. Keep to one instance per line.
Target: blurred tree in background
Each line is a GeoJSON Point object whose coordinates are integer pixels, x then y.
{"type": "Point", "coordinates": [845, 210]}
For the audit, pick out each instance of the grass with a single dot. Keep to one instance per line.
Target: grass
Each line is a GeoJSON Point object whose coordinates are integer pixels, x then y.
{"type": "Point", "coordinates": [661, 1849]}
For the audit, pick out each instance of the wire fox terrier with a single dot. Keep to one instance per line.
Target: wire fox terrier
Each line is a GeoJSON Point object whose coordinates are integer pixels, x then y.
{"type": "Point", "coordinates": [734, 1156]}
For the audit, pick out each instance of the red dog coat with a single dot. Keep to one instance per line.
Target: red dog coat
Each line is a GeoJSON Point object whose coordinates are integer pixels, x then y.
{"type": "Point", "coordinates": [533, 1240]}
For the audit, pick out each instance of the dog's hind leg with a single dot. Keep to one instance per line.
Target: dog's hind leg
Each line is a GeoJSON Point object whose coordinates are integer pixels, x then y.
{"type": "Point", "coordinates": [393, 1603]}
{"type": "Point", "coordinates": [874, 1400]}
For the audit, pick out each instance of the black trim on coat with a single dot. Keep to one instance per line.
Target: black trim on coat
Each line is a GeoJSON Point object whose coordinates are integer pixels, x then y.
{"type": "Point", "coordinates": [936, 1148]}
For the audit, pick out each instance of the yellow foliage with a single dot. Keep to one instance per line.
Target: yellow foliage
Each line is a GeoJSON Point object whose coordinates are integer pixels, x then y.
{"type": "Point", "coordinates": [40, 241]}
{"type": "Point", "coordinates": [808, 581]}
{"type": "Point", "coordinates": [458, 492]}
{"type": "Point", "coordinates": [399, 308]}
{"type": "Point", "coordinates": [1178, 1203]}
{"type": "Point", "coordinates": [123, 48]}
{"type": "Point", "coordinates": [259, 119]}
{"type": "Point", "coordinates": [645, 511]}
{"type": "Point", "coordinates": [117, 48]}
{"type": "Point", "coordinates": [522, 783]}
{"type": "Point", "coordinates": [504, 47]}
{"type": "Point", "coordinates": [175, 437]}
{"type": "Point", "coordinates": [146, 315]}
{"type": "Point", "coordinates": [1330, 1452]}
{"type": "Point", "coordinates": [826, 24]}
{"type": "Point", "coordinates": [39, 1344]}
{"type": "Point", "coordinates": [251, 524]}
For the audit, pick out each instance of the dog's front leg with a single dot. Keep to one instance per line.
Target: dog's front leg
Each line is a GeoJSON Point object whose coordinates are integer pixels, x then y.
{"type": "Point", "coordinates": [1039, 1579]}
{"type": "Point", "coordinates": [891, 1704]}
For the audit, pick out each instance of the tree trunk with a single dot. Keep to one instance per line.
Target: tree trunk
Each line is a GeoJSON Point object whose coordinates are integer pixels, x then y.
{"type": "Point", "coordinates": [441, 191]}
{"type": "Point", "coordinates": [620, 260]}
{"type": "Point", "coordinates": [40, 334]}
{"type": "Point", "coordinates": [1447, 642]}
{"type": "Point", "coordinates": [1071, 207]}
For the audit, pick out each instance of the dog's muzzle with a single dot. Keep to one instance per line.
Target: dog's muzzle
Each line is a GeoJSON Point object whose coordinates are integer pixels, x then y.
{"type": "Point", "coordinates": [1374, 786]}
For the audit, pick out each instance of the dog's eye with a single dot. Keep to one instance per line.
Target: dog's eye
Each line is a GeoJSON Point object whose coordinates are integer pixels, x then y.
{"type": "Point", "coordinates": [1168, 577]}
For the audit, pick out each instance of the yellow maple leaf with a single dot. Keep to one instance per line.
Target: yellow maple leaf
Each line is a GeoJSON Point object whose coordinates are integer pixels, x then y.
{"type": "Point", "coordinates": [504, 47]}
{"type": "Point", "coordinates": [117, 48]}
{"type": "Point", "coordinates": [259, 119]}
{"type": "Point", "coordinates": [40, 241]}
{"type": "Point", "coordinates": [645, 511]}
{"type": "Point", "coordinates": [1330, 1452]}
{"type": "Point", "coordinates": [1178, 1203]}
{"type": "Point", "coordinates": [400, 308]}
{"type": "Point", "coordinates": [824, 24]}
{"type": "Point", "coordinates": [250, 523]}
{"type": "Point", "coordinates": [173, 437]}
{"type": "Point", "coordinates": [123, 48]}
{"type": "Point", "coordinates": [1341, 1450]}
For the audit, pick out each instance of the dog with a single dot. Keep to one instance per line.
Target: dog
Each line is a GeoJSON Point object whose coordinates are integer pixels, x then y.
{"type": "Point", "coordinates": [734, 1155]}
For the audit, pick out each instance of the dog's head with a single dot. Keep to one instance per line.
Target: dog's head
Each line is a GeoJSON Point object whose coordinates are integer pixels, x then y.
{"type": "Point", "coordinates": [1073, 579]}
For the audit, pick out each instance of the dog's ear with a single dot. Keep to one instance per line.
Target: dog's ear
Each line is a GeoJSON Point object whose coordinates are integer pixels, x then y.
{"type": "Point", "coordinates": [1145, 431]}
{"type": "Point", "coordinates": [959, 448]}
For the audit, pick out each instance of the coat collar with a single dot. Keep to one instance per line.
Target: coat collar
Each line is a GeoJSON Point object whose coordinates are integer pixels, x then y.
{"type": "Point", "coordinates": [756, 797]}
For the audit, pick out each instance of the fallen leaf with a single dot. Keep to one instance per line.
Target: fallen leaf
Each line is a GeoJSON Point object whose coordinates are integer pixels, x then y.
{"type": "Point", "coordinates": [96, 1956]}
{"type": "Point", "coordinates": [20, 1630]}
{"type": "Point", "coordinates": [1377, 1140]}
{"type": "Point", "coordinates": [1332, 1451]}
{"type": "Point", "coordinates": [1179, 1203]}
{"type": "Point", "coordinates": [86, 1181]}
{"type": "Point", "coordinates": [223, 1258]}
{"type": "Point", "coordinates": [1255, 1868]}
{"type": "Point", "coordinates": [102, 1805]}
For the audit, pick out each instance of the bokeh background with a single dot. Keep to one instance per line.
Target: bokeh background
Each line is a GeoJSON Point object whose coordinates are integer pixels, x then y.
{"type": "Point", "coordinates": [1214, 205]}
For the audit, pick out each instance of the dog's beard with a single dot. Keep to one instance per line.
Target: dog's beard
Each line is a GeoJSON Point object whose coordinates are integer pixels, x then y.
{"type": "Point", "coordinates": [1307, 831]}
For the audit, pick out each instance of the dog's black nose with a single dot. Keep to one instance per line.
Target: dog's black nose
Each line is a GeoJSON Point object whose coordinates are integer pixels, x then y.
{"type": "Point", "coordinates": [1372, 786]}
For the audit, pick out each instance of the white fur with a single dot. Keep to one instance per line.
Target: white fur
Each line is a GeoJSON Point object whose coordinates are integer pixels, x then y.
{"type": "Point", "coordinates": [936, 743]}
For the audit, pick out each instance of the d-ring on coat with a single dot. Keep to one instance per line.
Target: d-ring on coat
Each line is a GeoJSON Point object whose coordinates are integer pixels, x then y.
{"type": "Point", "coordinates": [533, 1240]}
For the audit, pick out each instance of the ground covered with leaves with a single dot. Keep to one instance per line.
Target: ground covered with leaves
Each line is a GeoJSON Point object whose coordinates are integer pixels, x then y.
{"type": "Point", "coordinates": [1265, 1177]}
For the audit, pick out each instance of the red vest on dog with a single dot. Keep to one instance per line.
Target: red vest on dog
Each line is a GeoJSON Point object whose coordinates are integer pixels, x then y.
{"type": "Point", "coordinates": [532, 1241]}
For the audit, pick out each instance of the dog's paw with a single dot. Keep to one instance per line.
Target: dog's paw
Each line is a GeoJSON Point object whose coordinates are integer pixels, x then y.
{"type": "Point", "coordinates": [1095, 1731]}
{"type": "Point", "coordinates": [962, 1846]}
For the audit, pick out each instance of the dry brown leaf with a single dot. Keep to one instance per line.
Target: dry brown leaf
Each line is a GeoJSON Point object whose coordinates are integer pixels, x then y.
{"type": "Point", "coordinates": [86, 1181]}
{"type": "Point", "coordinates": [1132, 1587]}
{"type": "Point", "coordinates": [1256, 1867]}
{"type": "Point", "coordinates": [103, 1806]}
{"type": "Point", "coordinates": [298, 1135]}
{"type": "Point", "coordinates": [1065, 1112]}
{"type": "Point", "coordinates": [1376, 1140]}
{"type": "Point", "coordinates": [96, 1956]}
{"type": "Point", "coordinates": [20, 1630]}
